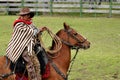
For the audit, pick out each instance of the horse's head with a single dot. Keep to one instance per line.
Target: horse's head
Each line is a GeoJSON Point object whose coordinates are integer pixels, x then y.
{"type": "Point", "coordinates": [73, 39]}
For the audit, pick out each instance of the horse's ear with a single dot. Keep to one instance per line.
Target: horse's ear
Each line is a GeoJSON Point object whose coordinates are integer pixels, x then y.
{"type": "Point", "coordinates": [66, 26]}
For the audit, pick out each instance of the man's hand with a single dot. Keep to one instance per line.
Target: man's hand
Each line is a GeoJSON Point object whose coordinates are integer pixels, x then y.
{"type": "Point", "coordinates": [43, 29]}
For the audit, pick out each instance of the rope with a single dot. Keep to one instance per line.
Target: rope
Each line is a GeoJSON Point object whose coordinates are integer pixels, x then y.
{"type": "Point", "coordinates": [55, 38]}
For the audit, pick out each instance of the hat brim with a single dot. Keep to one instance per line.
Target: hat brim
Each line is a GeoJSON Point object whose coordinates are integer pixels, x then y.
{"type": "Point", "coordinates": [30, 13]}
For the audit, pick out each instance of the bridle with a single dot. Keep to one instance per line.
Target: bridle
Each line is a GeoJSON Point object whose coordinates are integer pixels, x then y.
{"type": "Point", "coordinates": [73, 47]}
{"type": "Point", "coordinates": [65, 77]}
{"type": "Point", "coordinates": [74, 37]}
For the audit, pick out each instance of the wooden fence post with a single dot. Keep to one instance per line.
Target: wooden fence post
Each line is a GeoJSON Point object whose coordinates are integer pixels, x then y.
{"type": "Point", "coordinates": [110, 8]}
{"type": "Point", "coordinates": [81, 8]}
{"type": "Point", "coordinates": [22, 3]}
{"type": "Point", "coordinates": [51, 8]}
{"type": "Point", "coordinates": [36, 8]}
{"type": "Point", "coordinates": [7, 9]}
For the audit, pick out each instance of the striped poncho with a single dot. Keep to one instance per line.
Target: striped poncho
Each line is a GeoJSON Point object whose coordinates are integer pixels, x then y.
{"type": "Point", "coordinates": [22, 37]}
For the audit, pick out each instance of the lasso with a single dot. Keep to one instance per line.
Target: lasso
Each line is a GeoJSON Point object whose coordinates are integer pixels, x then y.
{"type": "Point", "coordinates": [55, 38]}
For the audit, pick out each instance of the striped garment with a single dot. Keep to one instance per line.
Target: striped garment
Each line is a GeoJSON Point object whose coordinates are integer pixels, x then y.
{"type": "Point", "coordinates": [22, 37]}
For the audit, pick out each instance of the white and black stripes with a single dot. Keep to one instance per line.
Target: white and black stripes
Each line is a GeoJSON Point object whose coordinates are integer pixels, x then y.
{"type": "Point", "coordinates": [21, 37]}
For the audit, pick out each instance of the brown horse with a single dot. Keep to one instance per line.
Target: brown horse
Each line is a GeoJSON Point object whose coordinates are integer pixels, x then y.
{"type": "Point", "coordinates": [60, 61]}
{"type": "Point", "coordinates": [5, 72]}
{"type": "Point", "coordinates": [59, 65]}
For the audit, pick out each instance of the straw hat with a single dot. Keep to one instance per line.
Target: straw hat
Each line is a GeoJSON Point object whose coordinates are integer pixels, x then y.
{"type": "Point", "coordinates": [25, 11]}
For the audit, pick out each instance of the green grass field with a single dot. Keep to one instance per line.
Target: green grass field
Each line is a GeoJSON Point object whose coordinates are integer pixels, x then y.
{"type": "Point", "coordinates": [100, 62]}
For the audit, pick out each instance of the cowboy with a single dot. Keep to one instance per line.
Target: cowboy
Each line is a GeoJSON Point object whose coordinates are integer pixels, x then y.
{"type": "Point", "coordinates": [22, 43]}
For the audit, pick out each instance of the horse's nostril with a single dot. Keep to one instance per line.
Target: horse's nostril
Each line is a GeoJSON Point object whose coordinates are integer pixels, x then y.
{"type": "Point", "coordinates": [88, 46]}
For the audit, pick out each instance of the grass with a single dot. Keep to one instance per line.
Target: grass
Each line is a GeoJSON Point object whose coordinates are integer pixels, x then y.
{"type": "Point", "coordinates": [100, 62]}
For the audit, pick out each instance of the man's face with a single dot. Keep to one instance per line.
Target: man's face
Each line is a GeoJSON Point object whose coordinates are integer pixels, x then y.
{"type": "Point", "coordinates": [26, 17]}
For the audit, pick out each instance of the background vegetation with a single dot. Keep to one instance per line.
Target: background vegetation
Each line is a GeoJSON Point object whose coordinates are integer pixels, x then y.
{"type": "Point", "coordinates": [100, 62]}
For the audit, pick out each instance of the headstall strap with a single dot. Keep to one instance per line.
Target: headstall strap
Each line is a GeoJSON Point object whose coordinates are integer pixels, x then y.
{"type": "Point", "coordinates": [67, 43]}
{"type": "Point", "coordinates": [68, 32]}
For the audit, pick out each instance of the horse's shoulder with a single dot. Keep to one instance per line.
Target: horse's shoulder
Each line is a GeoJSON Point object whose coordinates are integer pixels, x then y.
{"type": "Point", "coordinates": [2, 59]}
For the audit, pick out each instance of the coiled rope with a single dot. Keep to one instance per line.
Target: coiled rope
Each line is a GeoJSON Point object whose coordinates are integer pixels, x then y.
{"type": "Point", "coordinates": [55, 38]}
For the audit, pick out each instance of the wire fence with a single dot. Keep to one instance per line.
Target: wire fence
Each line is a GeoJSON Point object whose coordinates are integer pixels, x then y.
{"type": "Point", "coordinates": [80, 7]}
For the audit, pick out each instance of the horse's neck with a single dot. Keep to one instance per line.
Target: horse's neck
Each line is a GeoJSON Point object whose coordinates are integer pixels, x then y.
{"type": "Point", "coordinates": [63, 60]}
{"type": "Point", "coordinates": [4, 62]}
{"type": "Point", "coordinates": [66, 55]}
{"type": "Point", "coordinates": [7, 61]}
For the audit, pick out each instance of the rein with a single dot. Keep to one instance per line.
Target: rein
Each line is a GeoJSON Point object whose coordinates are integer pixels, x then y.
{"type": "Point", "coordinates": [6, 75]}
{"type": "Point", "coordinates": [73, 47]}
{"type": "Point", "coordinates": [65, 77]}
{"type": "Point", "coordinates": [71, 63]}
{"type": "Point", "coordinates": [73, 59]}
{"type": "Point", "coordinates": [57, 70]}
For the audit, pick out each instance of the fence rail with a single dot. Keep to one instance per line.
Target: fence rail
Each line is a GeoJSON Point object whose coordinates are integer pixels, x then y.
{"type": "Point", "coordinates": [66, 6]}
